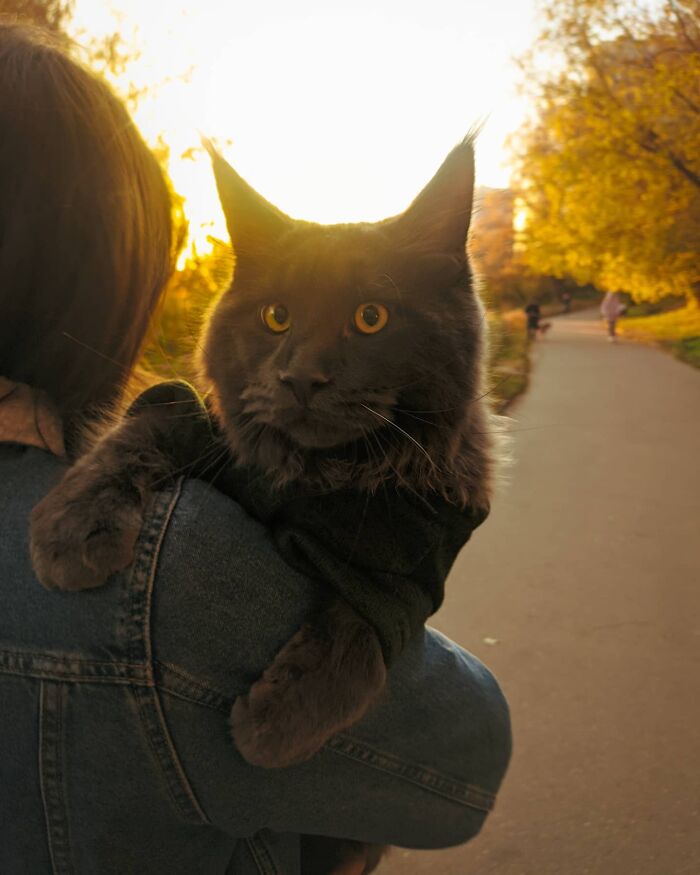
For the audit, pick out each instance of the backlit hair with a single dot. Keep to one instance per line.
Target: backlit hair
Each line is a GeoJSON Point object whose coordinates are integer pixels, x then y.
{"type": "Point", "coordinates": [85, 227]}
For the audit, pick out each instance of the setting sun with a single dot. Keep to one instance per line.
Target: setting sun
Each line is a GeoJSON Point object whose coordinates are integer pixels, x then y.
{"type": "Point", "coordinates": [335, 112]}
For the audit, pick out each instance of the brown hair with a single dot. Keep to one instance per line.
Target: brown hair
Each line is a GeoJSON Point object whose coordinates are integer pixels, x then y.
{"type": "Point", "coordinates": [85, 227]}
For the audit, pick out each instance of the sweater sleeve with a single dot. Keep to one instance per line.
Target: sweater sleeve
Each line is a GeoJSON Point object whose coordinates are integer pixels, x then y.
{"type": "Point", "coordinates": [387, 555]}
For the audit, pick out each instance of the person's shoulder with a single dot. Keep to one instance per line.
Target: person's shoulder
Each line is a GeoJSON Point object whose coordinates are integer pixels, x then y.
{"type": "Point", "coordinates": [224, 600]}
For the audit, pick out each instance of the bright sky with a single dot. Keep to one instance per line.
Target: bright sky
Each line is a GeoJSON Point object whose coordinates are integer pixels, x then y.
{"type": "Point", "coordinates": [336, 111]}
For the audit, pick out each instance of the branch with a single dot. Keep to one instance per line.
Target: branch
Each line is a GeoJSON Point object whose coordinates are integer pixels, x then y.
{"type": "Point", "coordinates": [651, 142]}
{"type": "Point", "coordinates": [692, 106]}
{"type": "Point", "coordinates": [683, 26]}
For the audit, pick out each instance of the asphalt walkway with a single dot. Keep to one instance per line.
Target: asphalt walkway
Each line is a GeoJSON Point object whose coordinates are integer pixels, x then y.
{"type": "Point", "coordinates": [582, 593]}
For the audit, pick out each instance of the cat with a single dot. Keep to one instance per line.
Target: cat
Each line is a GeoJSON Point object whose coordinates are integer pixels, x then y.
{"type": "Point", "coordinates": [344, 361]}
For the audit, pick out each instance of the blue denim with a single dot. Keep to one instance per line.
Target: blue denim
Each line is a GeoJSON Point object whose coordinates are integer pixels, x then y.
{"type": "Point", "coordinates": [115, 753]}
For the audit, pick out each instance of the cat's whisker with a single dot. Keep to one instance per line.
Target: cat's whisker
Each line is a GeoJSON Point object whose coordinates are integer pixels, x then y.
{"type": "Point", "coordinates": [222, 457]}
{"type": "Point", "coordinates": [492, 389]}
{"type": "Point", "coordinates": [394, 286]}
{"type": "Point", "coordinates": [419, 418]}
{"type": "Point", "coordinates": [432, 372]}
{"type": "Point", "coordinates": [399, 477]}
{"type": "Point", "coordinates": [128, 371]}
{"type": "Point", "coordinates": [404, 432]}
{"type": "Point", "coordinates": [214, 446]}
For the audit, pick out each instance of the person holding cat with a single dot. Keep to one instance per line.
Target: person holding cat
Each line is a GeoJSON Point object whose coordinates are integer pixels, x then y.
{"type": "Point", "coordinates": [115, 753]}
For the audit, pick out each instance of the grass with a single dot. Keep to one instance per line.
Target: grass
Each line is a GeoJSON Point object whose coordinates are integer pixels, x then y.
{"type": "Point", "coordinates": [509, 363]}
{"type": "Point", "coordinates": [676, 330]}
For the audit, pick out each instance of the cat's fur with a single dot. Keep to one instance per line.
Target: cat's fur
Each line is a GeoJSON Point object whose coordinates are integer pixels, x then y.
{"type": "Point", "coordinates": [320, 405]}
{"type": "Point", "coordinates": [423, 372]}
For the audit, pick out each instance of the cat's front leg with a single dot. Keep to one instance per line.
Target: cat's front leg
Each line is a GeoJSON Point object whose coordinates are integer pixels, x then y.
{"type": "Point", "coordinates": [86, 527]}
{"type": "Point", "coordinates": [322, 681]}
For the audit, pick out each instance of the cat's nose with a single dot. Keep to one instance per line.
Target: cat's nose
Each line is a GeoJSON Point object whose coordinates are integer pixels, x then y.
{"type": "Point", "coordinates": [303, 386]}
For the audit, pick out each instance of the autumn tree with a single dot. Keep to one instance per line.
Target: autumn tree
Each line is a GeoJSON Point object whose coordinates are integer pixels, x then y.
{"type": "Point", "coordinates": [491, 245]}
{"type": "Point", "coordinates": [53, 15]}
{"type": "Point", "coordinates": [609, 167]}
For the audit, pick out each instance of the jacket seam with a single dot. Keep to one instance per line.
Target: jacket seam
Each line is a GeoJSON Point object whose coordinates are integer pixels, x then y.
{"type": "Point", "coordinates": [146, 697]}
{"type": "Point", "coordinates": [51, 778]}
{"type": "Point", "coordinates": [179, 683]}
{"type": "Point", "coordinates": [78, 678]}
{"type": "Point", "coordinates": [163, 751]}
{"type": "Point", "coordinates": [261, 855]}
{"type": "Point", "coordinates": [178, 694]}
{"type": "Point", "coordinates": [422, 776]}
{"type": "Point", "coordinates": [68, 658]}
{"type": "Point", "coordinates": [67, 667]}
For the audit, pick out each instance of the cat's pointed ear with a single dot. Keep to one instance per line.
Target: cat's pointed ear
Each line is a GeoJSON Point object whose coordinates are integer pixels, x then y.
{"type": "Point", "coordinates": [253, 223]}
{"type": "Point", "coordinates": [438, 219]}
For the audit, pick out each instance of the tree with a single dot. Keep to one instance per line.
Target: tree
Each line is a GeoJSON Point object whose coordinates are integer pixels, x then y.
{"type": "Point", "coordinates": [497, 253]}
{"type": "Point", "coordinates": [609, 168]}
{"type": "Point", "coordinates": [196, 283]}
{"type": "Point", "coordinates": [54, 15]}
{"type": "Point", "coordinates": [492, 244]}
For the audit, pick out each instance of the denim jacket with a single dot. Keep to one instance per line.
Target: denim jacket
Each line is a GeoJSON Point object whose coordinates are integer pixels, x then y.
{"type": "Point", "coordinates": [115, 755]}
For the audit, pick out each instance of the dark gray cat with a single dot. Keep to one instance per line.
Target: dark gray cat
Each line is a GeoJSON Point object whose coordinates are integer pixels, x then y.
{"type": "Point", "coordinates": [342, 377]}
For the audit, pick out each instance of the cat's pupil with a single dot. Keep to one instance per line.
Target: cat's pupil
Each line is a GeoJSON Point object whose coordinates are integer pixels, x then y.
{"type": "Point", "coordinates": [370, 315]}
{"type": "Point", "coordinates": [280, 314]}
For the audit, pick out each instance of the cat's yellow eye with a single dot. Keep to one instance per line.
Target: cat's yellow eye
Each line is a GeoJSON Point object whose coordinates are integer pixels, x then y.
{"type": "Point", "coordinates": [370, 318]}
{"type": "Point", "coordinates": [275, 317]}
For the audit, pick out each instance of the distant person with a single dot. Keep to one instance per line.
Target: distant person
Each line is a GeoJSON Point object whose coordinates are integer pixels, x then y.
{"type": "Point", "coordinates": [533, 313]}
{"type": "Point", "coordinates": [565, 299]}
{"type": "Point", "coordinates": [611, 309]}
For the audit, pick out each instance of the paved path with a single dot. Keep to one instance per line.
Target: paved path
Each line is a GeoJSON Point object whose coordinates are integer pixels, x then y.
{"type": "Point", "coordinates": [588, 576]}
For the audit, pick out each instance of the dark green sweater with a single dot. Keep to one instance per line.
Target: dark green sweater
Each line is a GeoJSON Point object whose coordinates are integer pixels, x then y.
{"type": "Point", "coordinates": [386, 554]}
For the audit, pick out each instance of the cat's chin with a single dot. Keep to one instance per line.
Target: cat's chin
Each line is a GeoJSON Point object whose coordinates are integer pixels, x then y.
{"type": "Point", "coordinates": [307, 436]}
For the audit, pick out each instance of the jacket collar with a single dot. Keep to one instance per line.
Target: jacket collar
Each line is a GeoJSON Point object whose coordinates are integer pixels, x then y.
{"type": "Point", "coordinates": [28, 417]}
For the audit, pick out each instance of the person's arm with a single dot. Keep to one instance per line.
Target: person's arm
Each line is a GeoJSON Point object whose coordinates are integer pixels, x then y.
{"type": "Point", "coordinates": [420, 770]}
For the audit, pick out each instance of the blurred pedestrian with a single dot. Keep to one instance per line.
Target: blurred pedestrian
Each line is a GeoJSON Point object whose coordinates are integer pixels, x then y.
{"type": "Point", "coordinates": [611, 309]}
{"type": "Point", "coordinates": [533, 313]}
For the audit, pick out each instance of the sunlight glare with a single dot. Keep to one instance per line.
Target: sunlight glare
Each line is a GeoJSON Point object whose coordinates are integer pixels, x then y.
{"type": "Point", "coordinates": [335, 112]}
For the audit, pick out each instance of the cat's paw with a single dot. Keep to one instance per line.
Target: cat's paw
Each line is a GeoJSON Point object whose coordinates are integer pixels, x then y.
{"type": "Point", "coordinates": [321, 682]}
{"type": "Point", "coordinates": [81, 535]}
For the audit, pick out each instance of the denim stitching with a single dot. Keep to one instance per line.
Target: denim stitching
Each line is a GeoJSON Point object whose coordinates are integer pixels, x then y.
{"type": "Point", "coordinates": [69, 667]}
{"type": "Point", "coordinates": [178, 694]}
{"type": "Point", "coordinates": [178, 683]}
{"type": "Point", "coordinates": [429, 779]}
{"type": "Point", "coordinates": [142, 573]}
{"type": "Point", "coordinates": [191, 679]}
{"type": "Point", "coordinates": [147, 698]}
{"type": "Point", "coordinates": [51, 705]}
{"type": "Point", "coordinates": [153, 722]}
{"type": "Point", "coordinates": [261, 855]}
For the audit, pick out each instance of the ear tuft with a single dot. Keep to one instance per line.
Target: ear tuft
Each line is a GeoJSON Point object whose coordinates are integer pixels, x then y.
{"type": "Point", "coordinates": [438, 219]}
{"type": "Point", "coordinates": [253, 223]}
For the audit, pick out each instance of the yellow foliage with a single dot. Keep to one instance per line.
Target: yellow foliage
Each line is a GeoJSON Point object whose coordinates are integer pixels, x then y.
{"type": "Point", "coordinates": [670, 326]}
{"type": "Point", "coordinates": [610, 167]}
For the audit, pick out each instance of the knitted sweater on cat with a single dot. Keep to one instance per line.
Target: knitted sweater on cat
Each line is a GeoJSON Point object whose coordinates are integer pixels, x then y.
{"type": "Point", "coordinates": [386, 554]}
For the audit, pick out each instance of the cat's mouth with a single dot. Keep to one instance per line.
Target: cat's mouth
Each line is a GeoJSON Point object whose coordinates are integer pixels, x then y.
{"type": "Point", "coordinates": [322, 424]}
{"type": "Point", "coordinates": [313, 428]}
{"type": "Point", "coordinates": [318, 430]}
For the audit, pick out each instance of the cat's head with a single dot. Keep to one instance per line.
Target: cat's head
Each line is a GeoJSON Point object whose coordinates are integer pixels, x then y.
{"type": "Point", "coordinates": [351, 353]}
